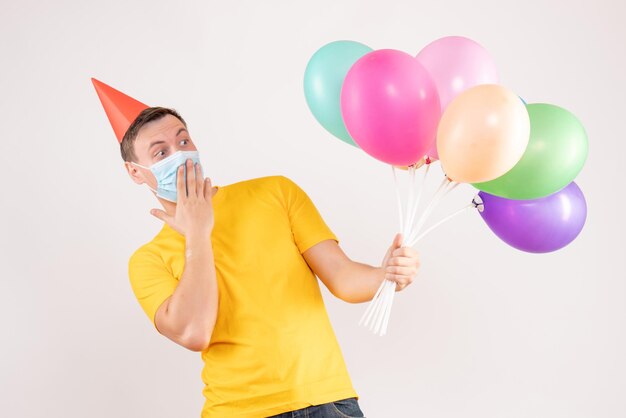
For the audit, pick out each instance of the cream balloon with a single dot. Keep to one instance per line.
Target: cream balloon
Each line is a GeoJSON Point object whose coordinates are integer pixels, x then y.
{"type": "Point", "coordinates": [482, 134]}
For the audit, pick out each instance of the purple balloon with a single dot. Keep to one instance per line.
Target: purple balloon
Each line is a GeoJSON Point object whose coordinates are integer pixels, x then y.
{"type": "Point", "coordinates": [537, 225]}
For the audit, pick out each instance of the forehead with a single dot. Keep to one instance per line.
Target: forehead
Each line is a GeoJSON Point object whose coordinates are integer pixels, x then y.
{"type": "Point", "coordinates": [164, 129]}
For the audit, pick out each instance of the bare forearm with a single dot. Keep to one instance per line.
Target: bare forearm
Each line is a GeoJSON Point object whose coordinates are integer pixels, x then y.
{"type": "Point", "coordinates": [359, 282]}
{"type": "Point", "coordinates": [193, 305]}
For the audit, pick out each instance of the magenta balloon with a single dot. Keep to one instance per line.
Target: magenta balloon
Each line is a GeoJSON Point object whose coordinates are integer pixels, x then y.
{"type": "Point", "coordinates": [455, 64]}
{"type": "Point", "coordinates": [537, 225]}
{"type": "Point", "coordinates": [390, 106]}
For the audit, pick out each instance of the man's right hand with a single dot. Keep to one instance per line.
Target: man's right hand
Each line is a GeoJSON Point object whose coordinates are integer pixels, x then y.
{"type": "Point", "coordinates": [194, 209]}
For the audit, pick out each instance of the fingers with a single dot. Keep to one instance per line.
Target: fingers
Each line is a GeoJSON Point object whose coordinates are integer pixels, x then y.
{"type": "Point", "coordinates": [199, 181]}
{"type": "Point", "coordinates": [208, 188]}
{"type": "Point", "coordinates": [397, 240]}
{"type": "Point", "coordinates": [158, 213]}
{"type": "Point", "coordinates": [180, 184]}
{"type": "Point", "coordinates": [395, 246]}
{"type": "Point", "coordinates": [402, 261]}
{"type": "Point", "coordinates": [402, 267]}
{"type": "Point", "coordinates": [401, 281]}
{"type": "Point", "coordinates": [407, 267]}
{"type": "Point", "coordinates": [405, 252]}
{"type": "Point", "coordinates": [399, 286]}
{"type": "Point", "coordinates": [190, 177]}
{"type": "Point", "coordinates": [401, 271]}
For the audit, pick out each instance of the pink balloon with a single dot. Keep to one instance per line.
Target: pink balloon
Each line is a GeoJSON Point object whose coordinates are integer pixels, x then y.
{"type": "Point", "coordinates": [456, 63]}
{"type": "Point", "coordinates": [390, 106]}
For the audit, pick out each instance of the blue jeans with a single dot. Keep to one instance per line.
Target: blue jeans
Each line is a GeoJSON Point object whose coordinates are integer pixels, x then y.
{"type": "Point", "coordinates": [344, 408]}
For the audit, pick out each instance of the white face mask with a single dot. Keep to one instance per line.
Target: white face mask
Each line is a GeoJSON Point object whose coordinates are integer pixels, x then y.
{"type": "Point", "coordinates": [165, 172]}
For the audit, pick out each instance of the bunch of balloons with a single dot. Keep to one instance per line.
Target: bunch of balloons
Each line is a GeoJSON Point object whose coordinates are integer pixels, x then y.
{"type": "Point", "coordinates": [446, 104]}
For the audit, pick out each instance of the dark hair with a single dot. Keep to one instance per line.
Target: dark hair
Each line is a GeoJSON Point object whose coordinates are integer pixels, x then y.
{"type": "Point", "coordinates": [127, 148]}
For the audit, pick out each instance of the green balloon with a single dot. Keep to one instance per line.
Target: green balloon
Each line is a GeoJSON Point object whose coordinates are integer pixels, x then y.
{"type": "Point", "coordinates": [555, 154]}
{"type": "Point", "coordinates": [323, 79]}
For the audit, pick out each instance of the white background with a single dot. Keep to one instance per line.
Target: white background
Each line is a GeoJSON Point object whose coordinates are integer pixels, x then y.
{"type": "Point", "coordinates": [484, 331]}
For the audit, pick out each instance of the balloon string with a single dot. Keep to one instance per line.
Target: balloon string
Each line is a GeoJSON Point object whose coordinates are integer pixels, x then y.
{"type": "Point", "coordinates": [387, 295]}
{"type": "Point", "coordinates": [382, 306]}
{"type": "Point", "coordinates": [395, 182]}
{"type": "Point", "coordinates": [411, 201]}
{"type": "Point", "coordinates": [382, 309]}
{"type": "Point", "coordinates": [434, 201]}
{"type": "Point", "coordinates": [447, 218]}
{"type": "Point", "coordinates": [392, 292]}
{"type": "Point", "coordinates": [449, 187]}
{"type": "Point", "coordinates": [379, 304]}
{"type": "Point", "coordinates": [378, 301]}
{"type": "Point", "coordinates": [367, 314]}
{"type": "Point", "coordinates": [378, 311]}
{"type": "Point", "coordinates": [408, 209]}
{"type": "Point", "coordinates": [385, 309]}
{"type": "Point", "coordinates": [418, 199]}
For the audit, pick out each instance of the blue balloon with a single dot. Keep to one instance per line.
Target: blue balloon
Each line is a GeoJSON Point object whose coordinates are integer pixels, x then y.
{"type": "Point", "coordinates": [323, 79]}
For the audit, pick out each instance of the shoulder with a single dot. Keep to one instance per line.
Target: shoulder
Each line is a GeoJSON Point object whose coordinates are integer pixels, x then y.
{"type": "Point", "coordinates": [265, 180]}
{"type": "Point", "coordinates": [147, 253]}
{"type": "Point", "coordinates": [151, 253]}
{"type": "Point", "coordinates": [275, 183]}
{"type": "Point", "coordinates": [285, 187]}
{"type": "Point", "coordinates": [144, 250]}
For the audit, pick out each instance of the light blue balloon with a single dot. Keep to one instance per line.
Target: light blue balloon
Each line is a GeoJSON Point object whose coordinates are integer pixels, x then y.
{"type": "Point", "coordinates": [323, 79]}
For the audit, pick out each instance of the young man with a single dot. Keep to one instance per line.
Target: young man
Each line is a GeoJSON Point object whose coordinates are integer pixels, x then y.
{"type": "Point", "coordinates": [232, 274]}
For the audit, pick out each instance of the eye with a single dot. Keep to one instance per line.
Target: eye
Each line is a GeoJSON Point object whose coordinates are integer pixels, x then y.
{"type": "Point", "coordinates": [185, 140]}
{"type": "Point", "coordinates": [157, 154]}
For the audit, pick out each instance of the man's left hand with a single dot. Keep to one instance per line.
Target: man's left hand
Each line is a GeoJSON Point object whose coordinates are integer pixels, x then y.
{"type": "Point", "coordinates": [400, 263]}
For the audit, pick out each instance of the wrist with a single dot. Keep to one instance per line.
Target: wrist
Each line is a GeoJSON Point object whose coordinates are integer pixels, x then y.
{"type": "Point", "coordinates": [195, 239]}
{"type": "Point", "coordinates": [381, 272]}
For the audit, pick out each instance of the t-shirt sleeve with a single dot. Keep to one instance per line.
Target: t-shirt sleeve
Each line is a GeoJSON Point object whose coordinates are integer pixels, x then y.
{"type": "Point", "coordinates": [151, 281]}
{"type": "Point", "coordinates": [307, 224]}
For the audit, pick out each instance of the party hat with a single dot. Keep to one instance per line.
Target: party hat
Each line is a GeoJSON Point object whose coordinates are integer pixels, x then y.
{"type": "Point", "coordinates": [120, 108]}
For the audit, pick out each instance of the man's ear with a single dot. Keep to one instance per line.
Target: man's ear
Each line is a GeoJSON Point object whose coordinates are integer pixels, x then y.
{"type": "Point", "coordinates": [134, 173]}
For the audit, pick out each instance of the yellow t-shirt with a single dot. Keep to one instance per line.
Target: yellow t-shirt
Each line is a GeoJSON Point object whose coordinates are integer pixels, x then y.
{"type": "Point", "coordinates": [273, 349]}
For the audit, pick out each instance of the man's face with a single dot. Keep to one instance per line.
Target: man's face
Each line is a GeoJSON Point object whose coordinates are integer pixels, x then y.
{"type": "Point", "coordinates": [155, 141]}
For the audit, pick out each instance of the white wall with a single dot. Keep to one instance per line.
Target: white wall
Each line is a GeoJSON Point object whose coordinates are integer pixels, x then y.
{"type": "Point", "coordinates": [485, 330]}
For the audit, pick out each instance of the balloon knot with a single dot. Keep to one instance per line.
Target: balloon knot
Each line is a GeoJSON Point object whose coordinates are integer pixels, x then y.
{"type": "Point", "coordinates": [478, 205]}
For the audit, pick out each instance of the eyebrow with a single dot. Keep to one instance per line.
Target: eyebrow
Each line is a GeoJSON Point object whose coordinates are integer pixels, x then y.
{"type": "Point", "coordinates": [162, 142]}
